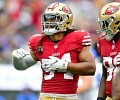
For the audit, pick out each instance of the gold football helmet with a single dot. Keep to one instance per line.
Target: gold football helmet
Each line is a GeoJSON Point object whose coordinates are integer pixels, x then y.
{"type": "Point", "coordinates": [109, 19]}
{"type": "Point", "coordinates": [56, 18]}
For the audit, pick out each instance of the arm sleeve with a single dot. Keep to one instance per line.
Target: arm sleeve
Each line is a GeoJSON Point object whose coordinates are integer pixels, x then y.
{"type": "Point", "coordinates": [34, 42]}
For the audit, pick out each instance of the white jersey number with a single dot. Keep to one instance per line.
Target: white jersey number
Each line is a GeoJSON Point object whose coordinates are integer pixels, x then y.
{"type": "Point", "coordinates": [111, 68]}
{"type": "Point", "coordinates": [67, 75]}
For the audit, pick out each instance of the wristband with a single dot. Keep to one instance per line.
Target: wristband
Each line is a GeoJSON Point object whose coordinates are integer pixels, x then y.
{"type": "Point", "coordinates": [100, 98]}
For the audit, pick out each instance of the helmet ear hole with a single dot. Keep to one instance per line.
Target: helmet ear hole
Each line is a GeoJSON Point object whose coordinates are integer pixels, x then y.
{"type": "Point", "coordinates": [68, 23]}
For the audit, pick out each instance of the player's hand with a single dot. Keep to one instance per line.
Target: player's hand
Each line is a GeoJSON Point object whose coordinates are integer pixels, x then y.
{"type": "Point", "coordinates": [54, 63]}
{"type": "Point", "coordinates": [46, 64]}
{"type": "Point", "coordinates": [19, 53]}
{"type": "Point", "coordinates": [117, 60]}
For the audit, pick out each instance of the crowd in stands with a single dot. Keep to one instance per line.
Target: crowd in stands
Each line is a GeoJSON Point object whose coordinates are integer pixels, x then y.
{"type": "Point", "coordinates": [19, 19]}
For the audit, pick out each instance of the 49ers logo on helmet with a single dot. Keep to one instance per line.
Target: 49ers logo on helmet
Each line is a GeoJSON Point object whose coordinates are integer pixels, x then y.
{"type": "Point", "coordinates": [66, 10]}
{"type": "Point", "coordinates": [111, 10]}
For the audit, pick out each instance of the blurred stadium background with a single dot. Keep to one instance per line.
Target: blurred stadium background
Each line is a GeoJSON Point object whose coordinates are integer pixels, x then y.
{"type": "Point", "coordinates": [19, 19]}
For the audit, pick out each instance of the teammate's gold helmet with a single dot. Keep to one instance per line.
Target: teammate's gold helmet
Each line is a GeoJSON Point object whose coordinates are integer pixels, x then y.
{"type": "Point", "coordinates": [109, 19]}
{"type": "Point", "coordinates": [56, 18]}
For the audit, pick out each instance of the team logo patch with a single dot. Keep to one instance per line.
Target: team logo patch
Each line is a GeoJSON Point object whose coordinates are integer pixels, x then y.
{"type": "Point", "coordinates": [111, 10]}
{"type": "Point", "coordinates": [66, 10]}
{"type": "Point", "coordinates": [56, 46]}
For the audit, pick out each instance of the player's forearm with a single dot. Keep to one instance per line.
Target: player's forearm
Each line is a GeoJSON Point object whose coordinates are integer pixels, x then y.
{"type": "Point", "coordinates": [22, 64]}
{"type": "Point", "coordinates": [102, 88]}
{"type": "Point", "coordinates": [83, 68]}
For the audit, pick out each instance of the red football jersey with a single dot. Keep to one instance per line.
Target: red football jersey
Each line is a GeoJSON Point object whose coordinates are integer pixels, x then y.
{"type": "Point", "coordinates": [60, 82]}
{"type": "Point", "coordinates": [108, 50]}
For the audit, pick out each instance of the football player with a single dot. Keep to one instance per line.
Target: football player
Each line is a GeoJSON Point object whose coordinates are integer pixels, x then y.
{"type": "Point", "coordinates": [109, 49]}
{"type": "Point", "coordinates": [63, 51]}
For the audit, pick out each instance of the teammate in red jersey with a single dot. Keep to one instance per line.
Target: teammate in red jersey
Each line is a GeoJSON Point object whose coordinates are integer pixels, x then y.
{"type": "Point", "coordinates": [64, 54]}
{"type": "Point", "coordinates": [109, 49]}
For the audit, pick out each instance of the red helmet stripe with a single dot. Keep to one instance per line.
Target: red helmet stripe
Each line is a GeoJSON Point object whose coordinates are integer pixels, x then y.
{"type": "Point", "coordinates": [53, 6]}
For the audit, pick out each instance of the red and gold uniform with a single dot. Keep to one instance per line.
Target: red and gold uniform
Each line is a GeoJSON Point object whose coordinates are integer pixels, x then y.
{"type": "Point", "coordinates": [109, 50]}
{"type": "Point", "coordinates": [60, 82]}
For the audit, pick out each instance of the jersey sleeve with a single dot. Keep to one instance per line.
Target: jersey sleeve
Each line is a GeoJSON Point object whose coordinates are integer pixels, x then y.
{"type": "Point", "coordinates": [100, 42]}
{"type": "Point", "coordinates": [33, 41]}
{"type": "Point", "coordinates": [85, 38]}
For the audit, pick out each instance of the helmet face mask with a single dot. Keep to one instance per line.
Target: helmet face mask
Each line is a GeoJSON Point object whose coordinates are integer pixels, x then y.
{"type": "Point", "coordinates": [56, 18]}
{"type": "Point", "coordinates": [109, 20]}
{"type": "Point", "coordinates": [105, 27]}
{"type": "Point", "coordinates": [52, 23]}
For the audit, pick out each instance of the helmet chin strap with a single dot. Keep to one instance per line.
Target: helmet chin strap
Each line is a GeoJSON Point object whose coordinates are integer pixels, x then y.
{"type": "Point", "coordinates": [109, 38]}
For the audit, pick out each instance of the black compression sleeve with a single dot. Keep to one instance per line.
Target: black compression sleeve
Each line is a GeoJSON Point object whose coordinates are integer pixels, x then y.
{"type": "Point", "coordinates": [100, 98]}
